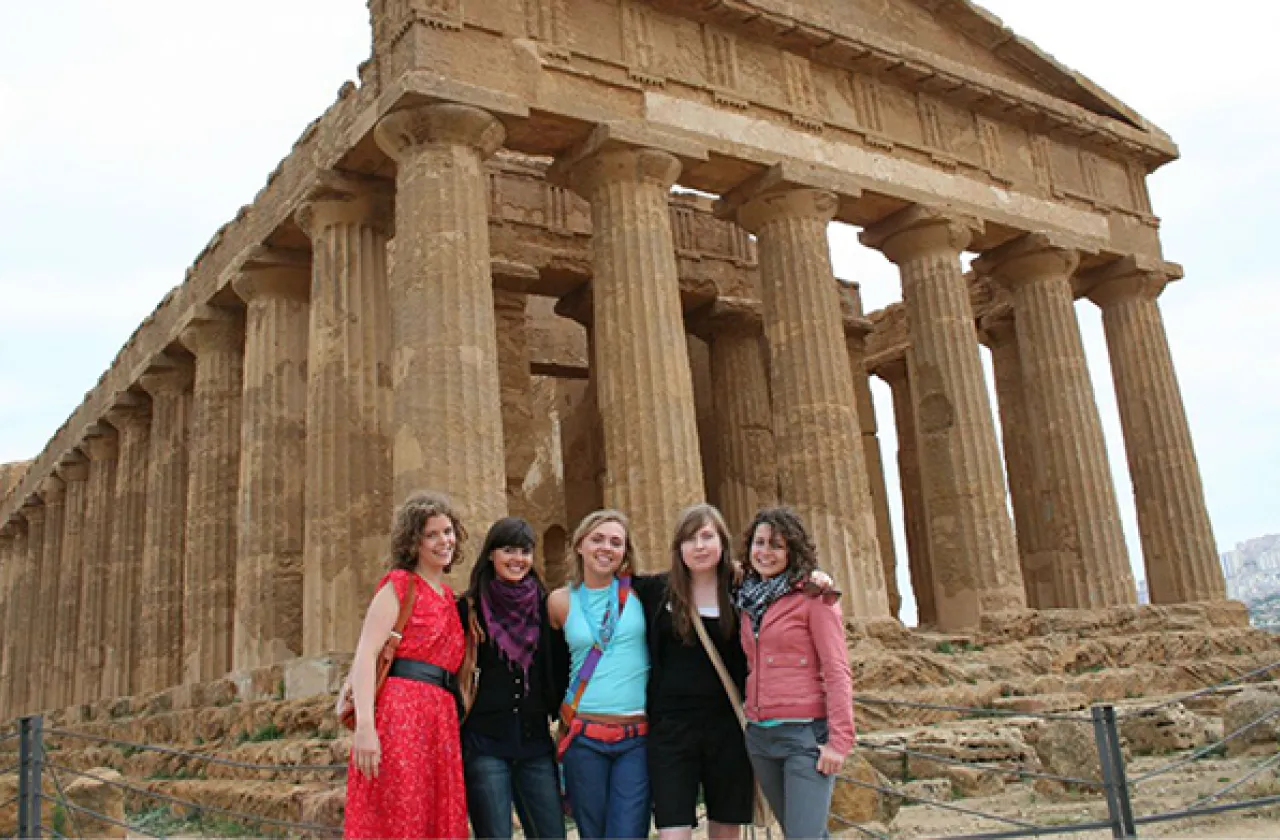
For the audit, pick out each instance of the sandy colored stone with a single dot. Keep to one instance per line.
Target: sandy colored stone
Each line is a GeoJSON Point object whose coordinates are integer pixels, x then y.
{"type": "Point", "coordinates": [268, 593]}
{"type": "Point", "coordinates": [1168, 729]}
{"type": "Point", "coordinates": [53, 491]}
{"type": "Point", "coordinates": [866, 798]}
{"type": "Point", "coordinates": [1253, 707]}
{"type": "Point", "coordinates": [131, 417]}
{"type": "Point", "coordinates": [74, 472]}
{"type": "Point", "coordinates": [1068, 749]}
{"type": "Point", "coordinates": [511, 319]}
{"type": "Point", "coordinates": [102, 449]}
{"type": "Point", "coordinates": [99, 796]}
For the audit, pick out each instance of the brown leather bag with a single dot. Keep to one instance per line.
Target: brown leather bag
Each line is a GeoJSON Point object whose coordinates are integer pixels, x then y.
{"type": "Point", "coordinates": [469, 671]}
{"type": "Point", "coordinates": [346, 705]}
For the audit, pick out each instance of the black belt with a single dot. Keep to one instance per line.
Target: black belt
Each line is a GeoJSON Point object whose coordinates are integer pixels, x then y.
{"type": "Point", "coordinates": [413, 669]}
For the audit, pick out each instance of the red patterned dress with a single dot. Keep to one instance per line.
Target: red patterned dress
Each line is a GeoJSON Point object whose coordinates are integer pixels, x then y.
{"type": "Point", "coordinates": [419, 790]}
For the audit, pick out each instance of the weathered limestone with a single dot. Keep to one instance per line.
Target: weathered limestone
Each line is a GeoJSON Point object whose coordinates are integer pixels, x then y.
{"type": "Point", "coordinates": [7, 613]}
{"type": "Point", "coordinates": [26, 679]}
{"type": "Point", "coordinates": [915, 521]}
{"type": "Point", "coordinates": [102, 448]}
{"type": "Point", "coordinates": [1066, 427]}
{"type": "Point", "coordinates": [268, 594]}
{"type": "Point", "coordinates": [216, 337]}
{"type": "Point", "coordinates": [17, 579]}
{"type": "Point", "coordinates": [160, 581]}
{"type": "Point", "coordinates": [53, 491]}
{"type": "Point", "coordinates": [512, 324]}
{"type": "Point", "coordinates": [447, 407]}
{"type": "Point", "coordinates": [348, 475]}
{"type": "Point", "coordinates": [975, 562]}
{"type": "Point", "coordinates": [822, 471]}
{"type": "Point", "coordinates": [856, 330]}
{"type": "Point", "coordinates": [644, 388]}
{"type": "Point", "coordinates": [1024, 468]}
{"type": "Point", "coordinates": [734, 331]}
{"type": "Point", "coordinates": [131, 416]}
{"type": "Point", "coordinates": [73, 469]}
{"type": "Point", "coordinates": [1177, 539]}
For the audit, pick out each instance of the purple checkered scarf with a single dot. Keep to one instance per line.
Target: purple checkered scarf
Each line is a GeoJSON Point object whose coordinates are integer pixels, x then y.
{"type": "Point", "coordinates": [512, 614]}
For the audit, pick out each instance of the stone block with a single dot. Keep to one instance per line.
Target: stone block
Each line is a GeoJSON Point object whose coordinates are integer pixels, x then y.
{"type": "Point", "coordinates": [861, 796]}
{"type": "Point", "coordinates": [314, 675]}
{"type": "Point", "coordinates": [1068, 749]}
{"type": "Point", "coordinates": [265, 683]}
{"type": "Point", "coordinates": [98, 797]}
{"type": "Point", "coordinates": [1164, 730]}
{"type": "Point", "coordinates": [1245, 708]}
{"type": "Point", "coordinates": [928, 790]}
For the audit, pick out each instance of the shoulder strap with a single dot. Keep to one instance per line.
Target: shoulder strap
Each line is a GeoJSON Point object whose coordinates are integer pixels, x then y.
{"type": "Point", "coordinates": [714, 655]}
{"type": "Point", "coordinates": [406, 605]}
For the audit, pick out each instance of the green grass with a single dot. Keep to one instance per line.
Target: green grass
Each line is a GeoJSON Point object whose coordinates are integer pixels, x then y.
{"type": "Point", "coordinates": [161, 822]}
{"type": "Point", "coordinates": [269, 732]}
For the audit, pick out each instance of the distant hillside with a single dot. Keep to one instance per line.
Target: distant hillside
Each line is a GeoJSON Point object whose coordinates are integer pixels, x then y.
{"type": "Point", "coordinates": [1252, 572]}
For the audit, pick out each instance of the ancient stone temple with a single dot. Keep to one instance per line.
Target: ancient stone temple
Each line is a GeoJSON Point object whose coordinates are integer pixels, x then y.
{"type": "Point", "coordinates": [473, 274]}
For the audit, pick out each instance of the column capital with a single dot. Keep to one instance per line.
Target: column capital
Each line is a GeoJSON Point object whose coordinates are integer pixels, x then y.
{"type": "Point", "coordinates": [211, 330]}
{"type": "Point", "coordinates": [892, 370]}
{"type": "Point", "coordinates": [919, 231]}
{"type": "Point", "coordinates": [166, 375]}
{"type": "Point", "coordinates": [274, 273]}
{"type": "Point", "coordinates": [73, 467]}
{"type": "Point", "coordinates": [793, 203]}
{"type": "Point", "coordinates": [129, 409]}
{"type": "Point", "coordinates": [1130, 278]}
{"type": "Point", "coordinates": [1030, 257]}
{"type": "Point", "coordinates": [53, 490]}
{"type": "Point", "coordinates": [33, 510]}
{"type": "Point", "coordinates": [101, 443]}
{"type": "Point", "coordinates": [727, 316]}
{"type": "Point", "coordinates": [998, 327]}
{"type": "Point", "coordinates": [403, 134]}
{"type": "Point", "coordinates": [624, 152]}
{"type": "Point", "coordinates": [336, 198]}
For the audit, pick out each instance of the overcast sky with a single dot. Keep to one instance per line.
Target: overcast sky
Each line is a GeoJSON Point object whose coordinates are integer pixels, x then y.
{"type": "Point", "coordinates": [131, 129]}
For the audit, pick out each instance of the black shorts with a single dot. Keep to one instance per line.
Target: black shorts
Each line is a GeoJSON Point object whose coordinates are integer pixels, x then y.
{"type": "Point", "coordinates": [688, 752]}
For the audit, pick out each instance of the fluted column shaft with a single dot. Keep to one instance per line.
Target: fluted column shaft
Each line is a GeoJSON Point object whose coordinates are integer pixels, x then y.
{"type": "Point", "coordinates": [1025, 474]}
{"type": "Point", "coordinates": [8, 570]}
{"type": "Point", "coordinates": [512, 320]}
{"type": "Point", "coordinates": [17, 582]}
{"type": "Point", "coordinates": [217, 340]}
{"type": "Point", "coordinates": [268, 594]}
{"type": "Point", "coordinates": [160, 631]}
{"type": "Point", "coordinates": [734, 331]}
{"type": "Point", "coordinates": [95, 552]}
{"type": "Point", "coordinates": [653, 466]}
{"type": "Point", "coordinates": [347, 505]}
{"type": "Point", "coordinates": [1067, 429]}
{"type": "Point", "coordinates": [74, 472]}
{"type": "Point", "coordinates": [915, 522]}
{"type": "Point", "coordinates": [54, 493]}
{"type": "Point", "coordinates": [27, 663]}
{"type": "Point", "coordinates": [822, 470]}
{"type": "Point", "coordinates": [975, 558]}
{"type": "Point", "coordinates": [1178, 547]}
{"type": "Point", "coordinates": [447, 406]}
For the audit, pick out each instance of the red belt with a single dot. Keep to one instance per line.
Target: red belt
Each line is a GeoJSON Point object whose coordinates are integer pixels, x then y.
{"type": "Point", "coordinates": [606, 733]}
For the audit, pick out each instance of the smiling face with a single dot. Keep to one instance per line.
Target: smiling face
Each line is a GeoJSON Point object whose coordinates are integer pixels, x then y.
{"type": "Point", "coordinates": [511, 564]}
{"type": "Point", "coordinates": [768, 551]}
{"type": "Point", "coordinates": [435, 550]}
{"type": "Point", "coordinates": [702, 551]}
{"type": "Point", "coordinates": [602, 550]}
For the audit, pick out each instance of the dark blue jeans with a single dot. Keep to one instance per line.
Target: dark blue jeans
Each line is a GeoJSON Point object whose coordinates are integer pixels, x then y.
{"type": "Point", "coordinates": [608, 787]}
{"type": "Point", "coordinates": [495, 784]}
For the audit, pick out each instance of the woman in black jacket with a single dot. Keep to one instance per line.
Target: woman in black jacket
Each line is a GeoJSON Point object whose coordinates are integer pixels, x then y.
{"type": "Point", "coordinates": [523, 663]}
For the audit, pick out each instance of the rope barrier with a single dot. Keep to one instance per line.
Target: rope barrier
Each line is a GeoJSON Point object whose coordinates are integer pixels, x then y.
{"type": "Point", "coordinates": [12, 769]}
{"type": "Point", "coordinates": [1201, 692]}
{"type": "Point", "coordinates": [996, 768]}
{"type": "Point", "coordinates": [187, 803]}
{"type": "Point", "coordinates": [944, 805]}
{"type": "Point", "coordinates": [1039, 830]}
{"type": "Point", "coordinates": [858, 827]}
{"type": "Point", "coordinates": [1203, 812]}
{"type": "Point", "coordinates": [62, 795]}
{"type": "Point", "coordinates": [73, 806]}
{"type": "Point", "coordinates": [969, 710]}
{"type": "Point", "coordinates": [8, 802]}
{"type": "Point", "coordinates": [1202, 751]}
{"type": "Point", "coordinates": [1205, 800]}
{"type": "Point", "coordinates": [51, 832]}
{"type": "Point", "coordinates": [210, 759]}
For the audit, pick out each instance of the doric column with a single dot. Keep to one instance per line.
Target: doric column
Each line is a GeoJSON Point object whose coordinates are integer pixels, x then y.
{"type": "Point", "coordinates": [653, 468]}
{"type": "Point", "coordinates": [14, 645]}
{"type": "Point", "coordinates": [734, 331]}
{"type": "Point", "coordinates": [915, 522]}
{"type": "Point", "coordinates": [131, 416]}
{"type": "Point", "coordinates": [1031, 513]}
{"type": "Point", "coordinates": [160, 630]}
{"type": "Point", "coordinates": [8, 566]}
{"type": "Point", "coordinates": [73, 469]}
{"type": "Point", "coordinates": [102, 448]}
{"type": "Point", "coordinates": [1066, 427]}
{"type": "Point", "coordinates": [447, 414]}
{"type": "Point", "coordinates": [856, 330]}
{"type": "Point", "coordinates": [581, 436]}
{"type": "Point", "coordinates": [54, 493]}
{"type": "Point", "coordinates": [27, 662]}
{"type": "Point", "coordinates": [1177, 537]}
{"type": "Point", "coordinates": [347, 504]}
{"type": "Point", "coordinates": [216, 337]}
{"type": "Point", "coordinates": [822, 470]}
{"type": "Point", "coordinates": [517, 394]}
{"type": "Point", "coordinates": [975, 558]}
{"type": "Point", "coordinates": [268, 594]}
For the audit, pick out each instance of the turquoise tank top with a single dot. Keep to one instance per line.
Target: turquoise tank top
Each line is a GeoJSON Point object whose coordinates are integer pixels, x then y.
{"type": "Point", "coordinates": [618, 685]}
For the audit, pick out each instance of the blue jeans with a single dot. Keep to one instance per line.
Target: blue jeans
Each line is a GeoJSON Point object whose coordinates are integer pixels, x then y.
{"type": "Point", "coordinates": [494, 784]}
{"type": "Point", "coordinates": [608, 787]}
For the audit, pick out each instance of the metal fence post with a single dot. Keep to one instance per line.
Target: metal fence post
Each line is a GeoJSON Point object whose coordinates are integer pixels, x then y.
{"type": "Point", "coordinates": [1114, 781]}
{"type": "Point", "coordinates": [30, 772]}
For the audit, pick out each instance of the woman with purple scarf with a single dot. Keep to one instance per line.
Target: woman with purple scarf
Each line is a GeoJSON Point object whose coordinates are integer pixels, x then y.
{"type": "Point", "coordinates": [523, 664]}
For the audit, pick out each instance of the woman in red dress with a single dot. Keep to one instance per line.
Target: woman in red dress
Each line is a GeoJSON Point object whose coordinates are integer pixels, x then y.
{"type": "Point", "coordinates": [405, 775]}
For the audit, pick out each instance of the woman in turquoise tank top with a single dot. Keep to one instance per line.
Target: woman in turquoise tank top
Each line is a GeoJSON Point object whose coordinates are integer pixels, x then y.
{"type": "Point", "coordinates": [604, 749]}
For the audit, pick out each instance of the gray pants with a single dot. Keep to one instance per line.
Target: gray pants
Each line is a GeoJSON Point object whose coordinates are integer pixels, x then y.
{"type": "Point", "coordinates": [785, 759]}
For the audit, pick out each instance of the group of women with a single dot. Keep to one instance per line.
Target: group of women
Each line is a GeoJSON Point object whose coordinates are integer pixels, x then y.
{"type": "Point", "coordinates": [646, 675]}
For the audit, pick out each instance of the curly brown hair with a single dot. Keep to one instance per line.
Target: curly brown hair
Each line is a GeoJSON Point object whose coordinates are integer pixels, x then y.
{"type": "Point", "coordinates": [409, 522]}
{"type": "Point", "coordinates": [802, 553]}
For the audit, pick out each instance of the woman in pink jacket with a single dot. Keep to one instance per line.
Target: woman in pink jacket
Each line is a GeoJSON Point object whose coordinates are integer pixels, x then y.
{"type": "Point", "coordinates": [799, 701]}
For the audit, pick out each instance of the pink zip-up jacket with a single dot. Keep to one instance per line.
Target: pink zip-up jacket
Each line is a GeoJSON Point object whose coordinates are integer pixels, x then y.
{"type": "Point", "coordinates": [799, 666]}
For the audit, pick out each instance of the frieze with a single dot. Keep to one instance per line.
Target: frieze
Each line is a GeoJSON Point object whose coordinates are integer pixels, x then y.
{"type": "Point", "coordinates": [639, 50]}
{"type": "Point", "coordinates": [722, 66]}
{"type": "Point", "coordinates": [803, 94]}
{"type": "Point", "coordinates": [547, 22]}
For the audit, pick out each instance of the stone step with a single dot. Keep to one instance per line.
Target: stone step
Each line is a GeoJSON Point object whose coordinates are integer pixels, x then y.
{"type": "Point", "coordinates": [272, 760]}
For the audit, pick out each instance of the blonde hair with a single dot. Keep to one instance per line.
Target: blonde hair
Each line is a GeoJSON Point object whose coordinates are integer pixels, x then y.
{"type": "Point", "coordinates": [588, 524]}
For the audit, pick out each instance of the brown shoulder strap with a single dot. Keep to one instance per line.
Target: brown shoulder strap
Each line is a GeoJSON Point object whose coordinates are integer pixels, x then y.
{"type": "Point", "coordinates": [406, 605]}
{"type": "Point", "coordinates": [714, 655]}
